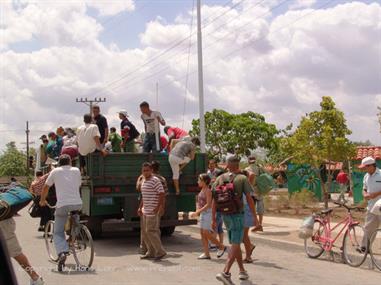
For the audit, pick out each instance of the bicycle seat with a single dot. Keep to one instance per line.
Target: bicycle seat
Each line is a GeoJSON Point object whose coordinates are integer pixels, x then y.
{"type": "Point", "coordinates": [326, 211]}
{"type": "Point", "coordinates": [77, 212]}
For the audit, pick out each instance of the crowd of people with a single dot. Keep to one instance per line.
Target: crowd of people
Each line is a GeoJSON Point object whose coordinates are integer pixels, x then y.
{"type": "Point", "coordinates": [96, 136]}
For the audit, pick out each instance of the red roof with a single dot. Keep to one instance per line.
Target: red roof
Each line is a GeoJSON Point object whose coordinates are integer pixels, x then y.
{"type": "Point", "coordinates": [365, 151]}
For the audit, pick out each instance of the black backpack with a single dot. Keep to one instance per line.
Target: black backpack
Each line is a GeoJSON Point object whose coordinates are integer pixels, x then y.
{"type": "Point", "coordinates": [227, 200]}
{"type": "Point", "coordinates": [133, 133]}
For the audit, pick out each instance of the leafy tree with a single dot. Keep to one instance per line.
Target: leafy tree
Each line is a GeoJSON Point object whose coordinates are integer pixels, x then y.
{"type": "Point", "coordinates": [235, 133]}
{"type": "Point", "coordinates": [363, 143]}
{"type": "Point", "coordinates": [12, 161]}
{"type": "Point", "coordinates": [321, 138]}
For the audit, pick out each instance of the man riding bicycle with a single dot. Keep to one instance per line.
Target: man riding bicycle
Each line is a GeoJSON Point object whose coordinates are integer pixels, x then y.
{"type": "Point", "coordinates": [67, 181]}
{"type": "Point", "coordinates": [371, 193]}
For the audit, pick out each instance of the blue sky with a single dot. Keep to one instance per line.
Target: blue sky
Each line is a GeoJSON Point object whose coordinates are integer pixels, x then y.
{"type": "Point", "coordinates": [283, 79]}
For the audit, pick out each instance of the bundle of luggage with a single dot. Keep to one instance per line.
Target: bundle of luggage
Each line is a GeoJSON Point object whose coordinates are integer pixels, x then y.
{"type": "Point", "coordinates": [13, 201]}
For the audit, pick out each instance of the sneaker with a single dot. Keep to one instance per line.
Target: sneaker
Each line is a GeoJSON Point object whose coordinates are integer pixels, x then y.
{"type": "Point", "coordinates": [39, 281]}
{"type": "Point", "coordinates": [203, 256]}
{"type": "Point", "coordinates": [243, 275]}
{"type": "Point", "coordinates": [61, 261]}
{"type": "Point", "coordinates": [225, 278]}
{"type": "Point", "coordinates": [221, 252]}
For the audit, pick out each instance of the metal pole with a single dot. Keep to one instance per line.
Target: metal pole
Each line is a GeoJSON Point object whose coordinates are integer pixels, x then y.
{"type": "Point", "coordinates": [157, 124]}
{"type": "Point", "coordinates": [200, 78]}
{"type": "Point", "coordinates": [27, 144]}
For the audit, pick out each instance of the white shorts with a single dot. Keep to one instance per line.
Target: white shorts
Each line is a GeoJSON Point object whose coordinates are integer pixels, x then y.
{"type": "Point", "coordinates": [175, 163]}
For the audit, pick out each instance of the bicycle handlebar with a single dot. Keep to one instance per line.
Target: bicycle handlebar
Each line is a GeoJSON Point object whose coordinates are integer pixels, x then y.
{"type": "Point", "coordinates": [349, 208]}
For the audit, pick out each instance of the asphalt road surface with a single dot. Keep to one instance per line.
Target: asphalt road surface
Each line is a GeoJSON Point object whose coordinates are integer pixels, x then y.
{"type": "Point", "coordinates": [117, 263]}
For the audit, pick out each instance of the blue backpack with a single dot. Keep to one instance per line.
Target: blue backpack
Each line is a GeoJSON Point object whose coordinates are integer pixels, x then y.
{"type": "Point", "coordinates": [13, 201]}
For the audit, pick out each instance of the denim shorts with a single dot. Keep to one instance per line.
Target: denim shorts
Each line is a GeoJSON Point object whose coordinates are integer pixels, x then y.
{"type": "Point", "coordinates": [206, 220]}
{"type": "Point", "coordinates": [234, 226]}
{"type": "Point", "coordinates": [259, 206]}
{"type": "Point", "coordinates": [248, 219]}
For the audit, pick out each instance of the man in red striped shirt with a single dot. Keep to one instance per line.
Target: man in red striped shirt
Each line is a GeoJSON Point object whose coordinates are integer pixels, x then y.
{"type": "Point", "coordinates": [151, 203]}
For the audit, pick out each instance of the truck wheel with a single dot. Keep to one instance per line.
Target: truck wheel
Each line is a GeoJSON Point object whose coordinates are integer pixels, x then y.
{"type": "Point", "coordinates": [94, 224]}
{"type": "Point", "coordinates": [167, 231]}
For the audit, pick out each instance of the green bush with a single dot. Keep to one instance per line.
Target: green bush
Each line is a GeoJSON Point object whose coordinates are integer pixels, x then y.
{"type": "Point", "coordinates": [302, 200]}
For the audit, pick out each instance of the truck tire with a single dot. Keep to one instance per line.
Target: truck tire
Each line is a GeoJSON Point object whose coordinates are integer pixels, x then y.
{"type": "Point", "coordinates": [167, 231]}
{"type": "Point", "coordinates": [94, 224]}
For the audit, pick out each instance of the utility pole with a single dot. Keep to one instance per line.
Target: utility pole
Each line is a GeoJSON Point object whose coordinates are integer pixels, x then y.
{"type": "Point", "coordinates": [27, 144]}
{"type": "Point", "coordinates": [157, 124]}
{"type": "Point", "coordinates": [379, 116]}
{"type": "Point", "coordinates": [200, 78]}
{"type": "Point", "coordinates": [90, 102]}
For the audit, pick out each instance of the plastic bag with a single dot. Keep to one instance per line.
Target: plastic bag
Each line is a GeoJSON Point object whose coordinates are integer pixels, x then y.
{"type": "Point", "coordinates": [307, 227]}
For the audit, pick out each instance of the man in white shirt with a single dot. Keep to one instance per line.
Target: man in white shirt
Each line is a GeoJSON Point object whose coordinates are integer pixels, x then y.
{"type": "Point", "coordinates": [88, 140]}
{"type": "Point", "coordinates": [151, 120]}
{"type": "Point", "coordinates": [67, 181]}
{"type": "Point", "coordinates": [371, 193]}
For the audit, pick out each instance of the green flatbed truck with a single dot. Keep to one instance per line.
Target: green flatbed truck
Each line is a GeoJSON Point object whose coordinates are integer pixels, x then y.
{"type": "Point", "coordinates": [109, 190]}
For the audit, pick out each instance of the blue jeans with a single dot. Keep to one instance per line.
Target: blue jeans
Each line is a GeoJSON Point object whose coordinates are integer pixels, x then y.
{"type": "Point", "coordinates": [60, 218]}
{"type": "Point", "coordinates": [149, 143]}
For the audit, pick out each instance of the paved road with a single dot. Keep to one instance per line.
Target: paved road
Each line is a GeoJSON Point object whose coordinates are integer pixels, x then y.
{"type": "Point", "coordinates": [117, 263]}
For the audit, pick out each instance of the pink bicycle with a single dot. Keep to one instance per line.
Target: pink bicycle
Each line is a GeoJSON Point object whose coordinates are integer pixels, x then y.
{"type": "Point", "coordinates": [353, 248]}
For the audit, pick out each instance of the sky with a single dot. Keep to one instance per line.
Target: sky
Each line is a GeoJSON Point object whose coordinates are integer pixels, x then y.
{"type": "Point", "coordinates": [274, 57]}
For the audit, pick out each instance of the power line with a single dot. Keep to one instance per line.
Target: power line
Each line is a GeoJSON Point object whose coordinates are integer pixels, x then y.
{"type": "Point", "coordinates": [176, 44]}
{"type": "Point", "coordinates": [135, 80]}
{"type": "Point", "coordinates": [187, 77]}
{"type": "Point", "coordinates": [138, 77]}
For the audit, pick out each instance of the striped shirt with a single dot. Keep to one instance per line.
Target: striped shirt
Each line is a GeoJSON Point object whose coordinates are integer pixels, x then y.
{"type": "Point", "coordinates": [151, 188]}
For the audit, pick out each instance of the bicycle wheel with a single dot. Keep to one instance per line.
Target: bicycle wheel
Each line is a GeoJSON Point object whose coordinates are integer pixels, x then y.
{"type": "Point", "coordinates": [353, 250]}
{"type": "Point", "coordinates": [83, 247]}
{"type": "Point", "coordinates": [48, 236]}
{"type": "Point", "coordinates": [313, 245]}
{"type": "Point", "coordinates": [375, 248]}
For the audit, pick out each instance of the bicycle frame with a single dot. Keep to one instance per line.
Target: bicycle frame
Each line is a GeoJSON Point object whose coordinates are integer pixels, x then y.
{"type": "Point", "coordinates": [327, 240]}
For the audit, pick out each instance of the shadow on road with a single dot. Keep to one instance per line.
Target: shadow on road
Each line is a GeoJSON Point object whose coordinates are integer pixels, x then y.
{"type": "Point", "coordinates": [122, 244]}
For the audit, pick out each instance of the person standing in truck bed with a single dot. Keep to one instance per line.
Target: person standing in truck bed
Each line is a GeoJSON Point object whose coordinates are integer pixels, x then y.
{"type": "Point", "coordinates": [152, 121]}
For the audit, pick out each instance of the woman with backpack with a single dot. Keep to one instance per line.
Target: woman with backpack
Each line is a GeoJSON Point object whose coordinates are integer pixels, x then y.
{"type": "Point", "coordinates": [204, 210]}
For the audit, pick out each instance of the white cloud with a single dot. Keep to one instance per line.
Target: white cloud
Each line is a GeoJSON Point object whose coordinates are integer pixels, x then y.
{"type": "Point", "coordinates": [281, 67]}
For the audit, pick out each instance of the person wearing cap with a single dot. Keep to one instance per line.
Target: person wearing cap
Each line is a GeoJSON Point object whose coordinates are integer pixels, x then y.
{"type": "Point", "coordinates": [254, 171]}
{"type": "Point", "coordinates": [101, 122]}
{"type": "Point", "coordinates": [234, 222]}
{"type": "Point", "coordinates": [371, 193]}
{"type": "Point", "coordinates": [54, 147]}
{"type": "Point", "coordinates": [116, 140]}
{"type": "Point", "coordinates": [128, 131]}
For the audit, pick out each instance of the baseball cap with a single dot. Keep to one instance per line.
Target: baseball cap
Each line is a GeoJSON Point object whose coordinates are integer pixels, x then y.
{"type": "Point", "coordinates": [123, 112]}
{"type": "Point", "coordinates": [367, 161]}
{"type": "Point", "coordinates": [51, 134]}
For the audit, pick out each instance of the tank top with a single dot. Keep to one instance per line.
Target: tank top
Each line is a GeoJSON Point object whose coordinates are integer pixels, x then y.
{"type": "Point", "coordinates": [201, 199]}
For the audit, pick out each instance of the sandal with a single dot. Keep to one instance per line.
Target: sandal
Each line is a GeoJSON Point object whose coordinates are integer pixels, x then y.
{"type": "Point", "coordinates": [204, 256]}
{"type": "Point", "coordinates": [252, 249]}
{"type": "Point", "coordinates": [248, 260]}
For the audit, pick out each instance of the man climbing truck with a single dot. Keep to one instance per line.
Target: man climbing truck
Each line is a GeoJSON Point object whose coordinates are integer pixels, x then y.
{"type": "Point", "coordinates": [109, 190]}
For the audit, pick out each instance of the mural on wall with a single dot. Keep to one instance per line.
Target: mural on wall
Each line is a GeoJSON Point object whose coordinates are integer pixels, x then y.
{"type": "Point", "coordinates": [303, 177]}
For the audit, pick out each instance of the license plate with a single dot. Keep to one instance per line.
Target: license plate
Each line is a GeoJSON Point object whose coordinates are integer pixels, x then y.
{"type": "Point", "coordinates": [105, 201]}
